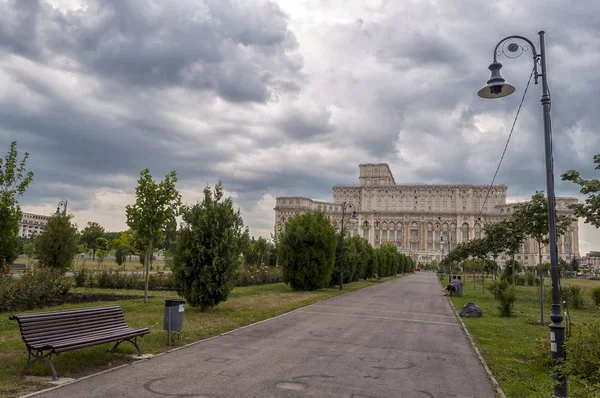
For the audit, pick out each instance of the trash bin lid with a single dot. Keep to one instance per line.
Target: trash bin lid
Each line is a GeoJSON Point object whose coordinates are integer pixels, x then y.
{"type": "Point", "coordinates": [174, 302]}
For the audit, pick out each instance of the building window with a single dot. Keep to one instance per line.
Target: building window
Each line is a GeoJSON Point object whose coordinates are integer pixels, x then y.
{"type": "Point", "coordinates": [366, 234]}
{"type": "Point", "coordinates": [429, 235]}
{"type": "Point", "coordinates": [477, 231]}
{"type": "Point", "coordinates": [414, 234]}
{"type": "Point", "coordinates": [356, 232]}
{"type": "Point", "coordinates": [392, 237]}
{"type": "Point", "coordinates": [384, 236]}
{"type": "Point", "coordinates": [465, 232]}
{"type": "Point", "coordinates": [430, 247]}
{"type": "Point", "coordinates": [413, 246]}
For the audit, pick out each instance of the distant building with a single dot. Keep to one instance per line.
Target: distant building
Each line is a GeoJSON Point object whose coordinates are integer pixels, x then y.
{"type": "Point", "coordinates": [590, 262]}
{"type": "Point", "coordinates": [415, 217]}
{"type": "Point", "coordinates": [32, 224]}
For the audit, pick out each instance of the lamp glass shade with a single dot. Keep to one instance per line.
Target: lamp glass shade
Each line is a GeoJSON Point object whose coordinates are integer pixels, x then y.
{"type": "Point", "coordinates": [353, 218]}
{"type": "Point", "coordinates": [496, 86]}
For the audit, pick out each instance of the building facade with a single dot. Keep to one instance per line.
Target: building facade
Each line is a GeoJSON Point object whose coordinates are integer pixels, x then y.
{"type": "Point", "coordinates": [423, 221]}
{"type": "Point", "coordinates": [32, 224]}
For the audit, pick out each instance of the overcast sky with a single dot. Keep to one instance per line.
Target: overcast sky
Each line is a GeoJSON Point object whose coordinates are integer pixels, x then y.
{"type": "Point", "coordinates": [286, 97]}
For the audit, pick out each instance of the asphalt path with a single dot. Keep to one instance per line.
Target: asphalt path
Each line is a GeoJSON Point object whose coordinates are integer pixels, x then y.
{"type": "Point", "coordinates": [397, 339]}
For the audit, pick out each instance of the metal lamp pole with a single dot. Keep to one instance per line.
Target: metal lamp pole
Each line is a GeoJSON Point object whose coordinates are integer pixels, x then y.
{"type": "Point", "coordinates": [497, 88]}
{"type": "Point", "coordinates": [353, 220]}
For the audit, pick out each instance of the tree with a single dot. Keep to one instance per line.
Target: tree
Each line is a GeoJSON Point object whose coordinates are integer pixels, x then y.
{"type": "Point", "coordinates": [307, 251]}
{"type": "Point", "coordinates": [90, 235]}
{"type": "Point", "coordinates": [496, 235]}
{"type": "Point", "coordinates": [14, 180]}
{"type": "Point", "coordinates": [102, 246]}
{"type": "Point", "coordinates": [156, 206]}
{"type": "Point", "coordinates": [590, 210]}
{"type": "Point", "coordinates": [513, 242]}
{"type": "Point", "coordinates": [29, 250]}
{"type": "Point", "coordinates": [208, 249]}
{"type": "Point", "coordinates": [532, 218]}
{"type": "Point", "coordinates": [56, 246]}
{"type": "Point", "coordinates": [574, 265]}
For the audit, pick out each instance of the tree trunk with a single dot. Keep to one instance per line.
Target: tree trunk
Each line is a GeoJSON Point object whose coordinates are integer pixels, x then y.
{"type": "Point", "coordinates": [93, 254]}
{"type": "Point", "coordinates": [512, 264]}
{"type": "Point", "coordinates": [147, 267]}
{"type": "Point", "coordinates": [483, 276]}
{"type": "Point", "coordinates": [541, 284]}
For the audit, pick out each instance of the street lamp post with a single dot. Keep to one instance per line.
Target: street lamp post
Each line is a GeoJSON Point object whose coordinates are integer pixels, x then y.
{"type": "Point", "coordinates": [353, 220]}
{"type": "Point", "coordinates": [63, 204]}
{"type": "Point", "coordinates": [497, 88]}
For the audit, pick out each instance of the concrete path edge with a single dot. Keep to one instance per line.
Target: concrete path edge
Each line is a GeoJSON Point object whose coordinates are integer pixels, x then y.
{"type": "Point", "coordinates": [33, 394]}
{"type": "Point", "coordinates": [481, 359]}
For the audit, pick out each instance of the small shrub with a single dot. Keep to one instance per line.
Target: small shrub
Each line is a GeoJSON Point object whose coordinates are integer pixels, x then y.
{"type": "Point", "coordinates": [497, 288]}
{"type": "Point", "coordinates": [507, 299]}
{"type": "Point", "coordinates": [573, 296]}
{"type": "Point", "coordinates": [520, 280]}
{"type": "Point", "coordinates": [542, 354]}
{"type": "Point", "coordinates": [596, 296]}
{"type": "Point", "coordinates": [582, 366]}
{"type": "Point", "coordinates": [530, 278]}
{"type": "Point", "coordinates": [80, 277]}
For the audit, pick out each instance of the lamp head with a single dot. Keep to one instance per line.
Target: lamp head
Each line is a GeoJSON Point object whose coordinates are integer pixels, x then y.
{"type": "Point", "coordinates": [496, 86]}
{"type": "Point", "coordinates": [353, 218]}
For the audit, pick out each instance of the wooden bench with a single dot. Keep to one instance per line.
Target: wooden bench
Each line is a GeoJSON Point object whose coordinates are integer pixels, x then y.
{"type": "Point", "coordinates": [48, 333]}
{"type": "Point", "coordinates": [17, 267]}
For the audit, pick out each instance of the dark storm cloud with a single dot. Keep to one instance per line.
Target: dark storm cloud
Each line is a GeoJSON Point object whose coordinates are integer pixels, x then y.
{"type": "Point", "coordinates": [215, 45]}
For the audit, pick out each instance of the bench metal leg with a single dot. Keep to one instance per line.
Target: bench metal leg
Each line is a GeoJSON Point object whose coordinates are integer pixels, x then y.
{"type": "Point", "coordinates": [40, 356]}
{"type": "Point", "coordinates": [134, 342]}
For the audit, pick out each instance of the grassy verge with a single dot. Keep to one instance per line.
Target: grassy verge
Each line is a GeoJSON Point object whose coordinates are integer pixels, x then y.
{"type": "Point", "coordinates": [245, 306]}
{"type": "Point", "coordinates": [511, 346]}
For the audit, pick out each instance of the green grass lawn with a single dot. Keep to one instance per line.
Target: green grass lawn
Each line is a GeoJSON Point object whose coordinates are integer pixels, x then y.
{"type": "Point", "coordinates": [246, 305]}
{"type": "Point", "coordinates": [510, 346]}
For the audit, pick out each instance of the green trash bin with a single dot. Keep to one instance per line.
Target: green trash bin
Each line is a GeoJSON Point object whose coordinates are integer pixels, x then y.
{"type": "Point", "coordinates": [173, 319]}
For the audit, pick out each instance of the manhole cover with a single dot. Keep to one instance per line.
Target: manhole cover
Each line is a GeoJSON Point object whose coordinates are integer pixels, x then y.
{"type": "Point", "coordinates": [286, 385]}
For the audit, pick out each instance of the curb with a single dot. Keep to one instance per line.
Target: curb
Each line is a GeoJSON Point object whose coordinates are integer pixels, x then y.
{"type": "Point", "coordinates": [495, 383]}
{"type": "Point", "coordinates": [33, 394]}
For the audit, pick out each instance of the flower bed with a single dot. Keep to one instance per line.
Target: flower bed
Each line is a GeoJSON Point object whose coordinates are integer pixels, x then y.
{"type": "Point", "coordinates": [37, 288]}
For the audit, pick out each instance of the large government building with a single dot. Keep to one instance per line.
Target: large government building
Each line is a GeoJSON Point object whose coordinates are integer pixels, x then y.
{"type": "Point", "coordinates": [416, 217]}
{"type": "Point", "coordinates": [32, 224]}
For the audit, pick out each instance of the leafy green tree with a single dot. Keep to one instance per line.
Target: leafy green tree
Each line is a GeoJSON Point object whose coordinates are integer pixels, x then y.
{"type": "Point", "coordinates": [590, 210]}
{"type": "Point", "coordinates": [574, 265]}
{"type": "Point", "coordinates": [307, 251]}
{"type": "Point", "coordinates": [532, 218]}
{"type": "Point", "coordinates": [111, 236]}
{"type": "Point", "coordinates": [496, 235]}
{"type": "Point", "coordinates": [156, 206]}
{"type": "Point", "coordinates": [90, 235]}
{"type": "Point", "coordinates": [102, 246]}
{"type": "Point", "coordinates": [56, 246]}
{"type": "Point", "coordinates": [29, 250]}
{"type": "Point", "coordinates": [372, 263]}
{"type": "Point", "coordinates": [208, 249]}
{"type": "Point", "coordinates": [14, 180]}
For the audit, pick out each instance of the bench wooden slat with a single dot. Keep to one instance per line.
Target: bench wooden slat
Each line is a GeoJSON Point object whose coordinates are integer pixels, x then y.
{"type": "Point", "coordinates": [56, 337]}
{"type": "Point", "coordinates": [74, 343]}
{"type": "Point", "coordinates": [58, 315]}
{"type": "Point", "coordinates": [72, 325]}
{"type": "Point", "coordinates": [24, 317]}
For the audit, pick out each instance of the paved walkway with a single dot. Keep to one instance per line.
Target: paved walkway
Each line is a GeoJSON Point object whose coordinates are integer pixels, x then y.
{"type": "Point", "coordinates": [397, 339]}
